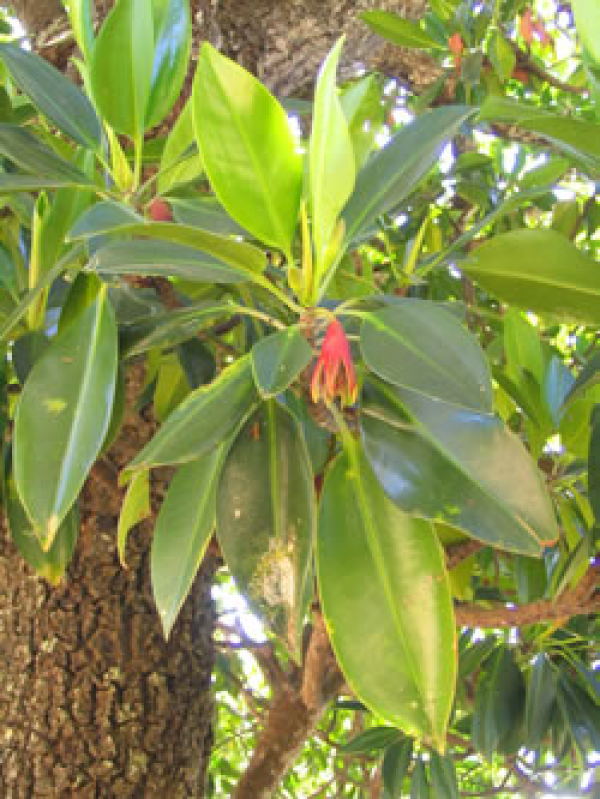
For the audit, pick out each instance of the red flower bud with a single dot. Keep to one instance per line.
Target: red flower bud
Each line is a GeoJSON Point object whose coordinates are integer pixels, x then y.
{"type": "Point", "coordinates": [526, 26]}
{"type": "Point", "coordinates": [456, 46]}
{"type": "Point", "coordinates": [334, 374]}
{"type": "Point", "coordinates": [160, 211]}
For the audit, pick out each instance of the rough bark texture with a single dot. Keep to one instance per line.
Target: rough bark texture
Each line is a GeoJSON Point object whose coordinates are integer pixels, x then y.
{"type": "Point", "coordinates": [94, 704]}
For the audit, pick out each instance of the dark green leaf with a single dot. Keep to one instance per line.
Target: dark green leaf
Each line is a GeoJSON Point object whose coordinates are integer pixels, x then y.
{"type": "Point", "coordinates": [278, 359]}
{"type": "Point", "coordinates": [419, 788]}
{"type": "Point", "coordinates": [266, 520]}
{"type": "Point", "coordinates": [581, 714]}
{"type": "Point", "coordinates": [63, 416]}
{"type": "Point", "coordinates": [587, 377]}
{"type": "Point", "coordinates": [443, 777]}
{"type": "Point", "coordinates": [28, 152]}
{"type": "Point", "coordinates": [183, 529]}
{"type": "Point", "coordinates": [454, 465]}
{"type": "Point", "coordinates": [371, 740]}
{"type": "Point", "coordinates": [541, 701]}
{"type": "Point", "coordinates": [395, 767]}
{"type": "Point", "coordinates": [206, 213]}
{"type": "Point", "coordinates": [420, 346]}
{"type": "Point", "coordinates": [203, 420]}
{"type": "Point", "coordinates": [53, 94]}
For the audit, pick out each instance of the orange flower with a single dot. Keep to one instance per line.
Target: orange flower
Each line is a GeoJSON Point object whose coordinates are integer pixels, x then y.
{"type": "Point", "coordinates": [334, 374]}
{"type": "Point", "coordinates": [456, 46]}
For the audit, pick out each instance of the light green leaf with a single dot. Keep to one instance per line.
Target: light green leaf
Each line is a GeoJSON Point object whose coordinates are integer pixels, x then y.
{"type": "Point", "coordinates": [121, 67]}
{"type": "Point", "coordinates": [393, 172]}
{"type": "Point", "coordinates": [418, 345]}
{"type": "Point", "coordinates": [278, 359]}
{"type": "Point", "coordinates": [183, 529]}
{"type": "Point", "coordinates": [501, 55]}
{"type": "Point", "coordinates": [384, 571]}
{"type": "Point", "coordinates": [399, 30]}
{"type": "Point", "coordinates": [135, 508]}
{"type": "Point", "coordinates": [207, 416]}
{"type": "Point", "coordinates": [53, 94]}
{"type": "Point", "coordinates": [234, 113]}
{"type": "Point", "coordinates": [458, 466]}
{"type": "Point", "coordinates": [266, 520]}
{"type": "Point", "coordinates": [80, 16]}
{"type": "Point", "coordinates": [364, 111]}
{"type": "Point", "coordinates": [587, 21]}
{"type": "Point", "coordinates": [538, 270]}
{"type": "Point", "coordinates": [63, 416]}
{"type": "Point", "coordinates": [331, 158]}
{"type": "Point", "coordinates": [180, 161]}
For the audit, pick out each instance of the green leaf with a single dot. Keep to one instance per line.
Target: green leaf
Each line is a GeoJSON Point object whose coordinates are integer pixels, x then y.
{"type": "Point", "coordinates": [371, 740]}
{"type": "Point", "coordinates": [11, 182]}
{"type": "Point", "coordinates": [384, 571]}
{"type": "Point", "coordinates": [63, 416]}
{"type": "Point", "coordinates": [501, 55]}
{"type": "Point", "coordinates": [278, 359]}
{"type": "Point", "coordinates": [398, 30]}
{"type": "Point", "coordinates": [266, 520]}
{"type": "Point", "coordinates": [364, 111]}
{"type": "Point", "coordinates": [538, 270]}
{"type": "Point", "coordinates": [393, 172]}
{"type": "Point", "coordinates": [419, 788]}
{"type": "Point", "coordinates": [330, 158]}
{"type": "Point", "coordinates": [540, 704]}
{"type": "Point", "coordinates": [522, 346]}
{"type": "Point", "coordinates": [161, 259]}
{"type": "Point", "coordinates": [28, 152]}
{"type": "Point", "coordinates": [499, 703]}
{"type": "Point", "coordinates": [234, 113]}
{"type": "Point", "coordinates": [418, 345]}
{"type": "Point", "coordinates": [168, 329]}
{"type": "Point", "coordinates": [243, 257]}
{"type": "Point", "coordinates": [106, 216]}
{"type": "Point", "coordinates": [121, 66]}
{"type": "Point", "coordinates": [183, 529]}
{"type": "Point", "coordinates": [53, 94]}
{"type": "Point", "coordinates": [203, 420]}
{"type": "Point", "coordinates": [50, 565]}
{"type": "Point", "coordinates": [135, 508]}
{"type": "Point", "coordinates": [443, 777]}
{"type": "Point", "coordinates": [206, 213]}
{"type": "Point", "coordinates": [581, 714]}
{"type": "Point", "coordinates": [172, 43]}
{"type": "Point", "coordinates": [395, 767]}
{"type": "Point", "coordinates": [454, 465]}
{"type": "Point", "coordinates": [81, 18]}
{"type": "Point", "coordinates": [587, 21]}
{"type": "Point", "coordinates": [594, 463]}
{"type": "Point", "coordinates": [180, 161]}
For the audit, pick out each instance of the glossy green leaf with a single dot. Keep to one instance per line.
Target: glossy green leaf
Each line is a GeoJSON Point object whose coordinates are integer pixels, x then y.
{"type": "Point", "coordinates": [538, 270]}
{"type": "Point", "coordinates": [182, 532]}
{"type": "Point", "coordinates": [418, 345]}
{"type": "Point", "coordinates": [540, 704]}
{"type": "Point", "coordinates": [393, 172]}
{"type": "Point", "coordinates": [395, 767]}
{"type": "Point", "coordinates": [203, 420]}
{"type": "Point", "coordinates": [364, 111]}
{"type": "Point", "coordinates": [135, 508]}
{"type": "Point", "coordinates": [243, 257]}
{"type": "Point", "coordinates": [501, 55]}
{"type": "Point", "coordinates": [52, 564]}
{"type": "Point", "coordinates": [11, 182]}
{"type": "Point", "coordinates": [167, 329]}
{"type": "Point", "coordinates": [53, 94]}
{"type": "Point", "coordinates": [63, 416]}
{"type": "Point", "coordinates": [455, 465]}
{"type": "Point", "coordinates": [399, 30]}
{"type": "Point", "coordinates": [581, 714]}
{"type": "Point", "coordinates": [594, 463]}
{"type": "Point", "coordinates": [371, 740]}
{"type": "Point", "coordinates": [81, 19]}
{"type": "Point", "coordinates": [499, 704]}
{"type": "Point", "coordinates": [106, 216]}
{"type": "Point", "coordinates": [384, 570]}
{"type": "Point", "coordinates": [522, 346]}
{"type": "Point", "coordinates": [180, 161]}
{"type": "Point", "coordinates": [266, 520]}
{"type": "Point", "coordinates": [207, 213]}
{"type": "Point", "coordinates": [121, 66]}
{"type": "Point", "coordinates": [32, 155]}
{"type": "Point", "coordinates": [197, 361]}
{"type": "Point", "coordinates": [278, 360]}
{"type": "Point", "coordinates": [443, 777]}
{"type": "Point", "coordinates": [172, 42]}
{"type": "Point", "coordinates": [330, 158]}
{"type": "Point", "coordinates": [587, 20]}
{"type": "Point", "coordinates": [27, 351]}
{"type": "Point", "coordinates": [234, 113]}
{"type": "Point", "coordinates": [161, 259]}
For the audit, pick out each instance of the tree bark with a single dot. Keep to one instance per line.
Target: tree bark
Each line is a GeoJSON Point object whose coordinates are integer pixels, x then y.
{"type": "Point", "coordinates": [94, 703]}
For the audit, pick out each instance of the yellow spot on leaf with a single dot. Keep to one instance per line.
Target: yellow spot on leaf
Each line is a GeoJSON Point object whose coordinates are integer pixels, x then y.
{"type": "Point", "coordinates": [55, 405]}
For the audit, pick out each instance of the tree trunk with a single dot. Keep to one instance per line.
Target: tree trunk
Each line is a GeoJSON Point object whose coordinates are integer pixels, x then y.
{"type": "Point", "coordinates": [94, 702]}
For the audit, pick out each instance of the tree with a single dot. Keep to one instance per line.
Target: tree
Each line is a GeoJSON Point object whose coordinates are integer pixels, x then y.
{"type": "Point", "coordinates": [328, 354]}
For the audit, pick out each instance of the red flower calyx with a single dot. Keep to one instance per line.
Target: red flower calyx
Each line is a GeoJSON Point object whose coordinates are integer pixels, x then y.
{"type": "Point", "coordinates": [334, 374]}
